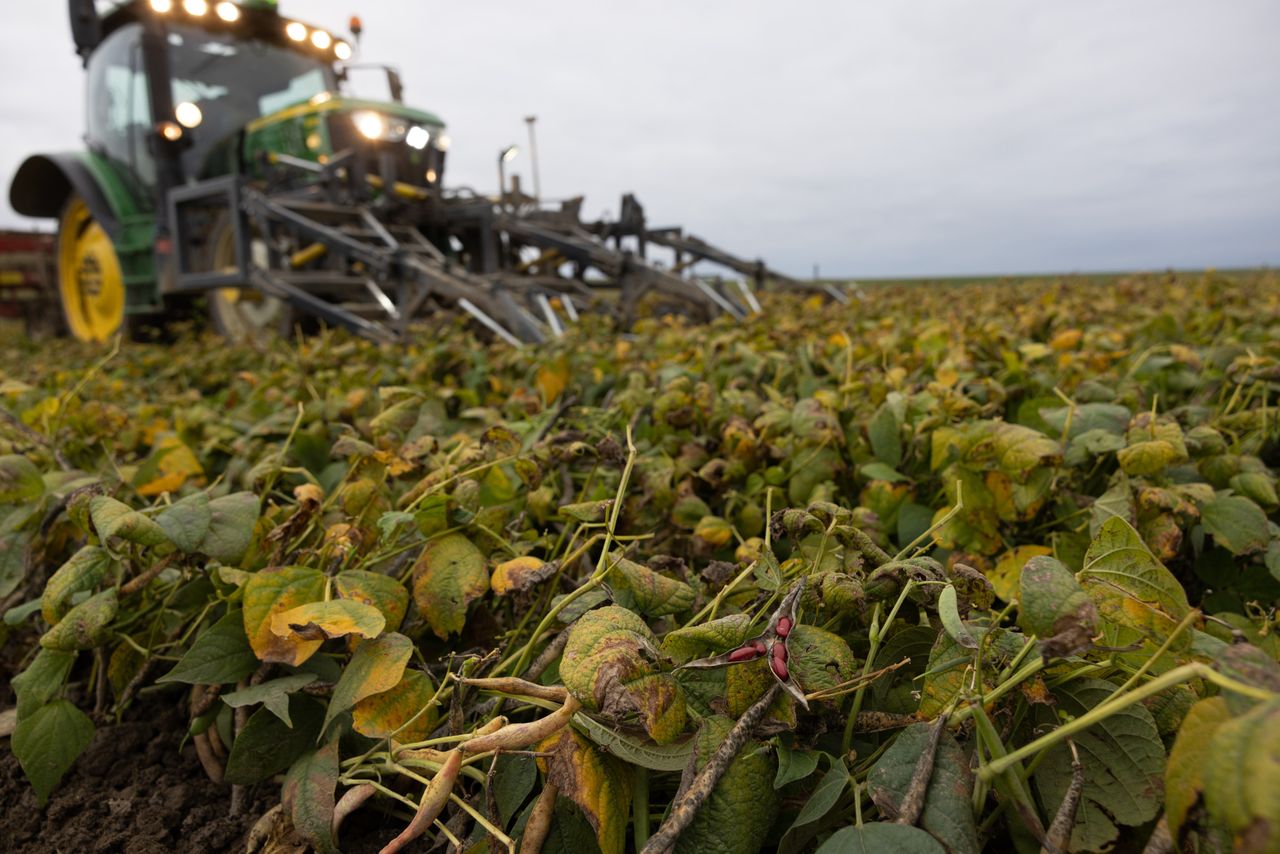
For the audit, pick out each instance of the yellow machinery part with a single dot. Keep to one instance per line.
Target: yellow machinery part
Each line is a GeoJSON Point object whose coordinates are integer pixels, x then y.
{"type": "Point", "coordinates": [89, 279]}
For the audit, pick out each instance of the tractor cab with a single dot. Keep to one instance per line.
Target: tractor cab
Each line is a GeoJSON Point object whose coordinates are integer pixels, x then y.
{"type": "Point", "coordinates": [182, 91]}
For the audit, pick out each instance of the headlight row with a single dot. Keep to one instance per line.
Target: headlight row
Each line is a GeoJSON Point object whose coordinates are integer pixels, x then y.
{"type": "Point", "coordinates": [376, 126]}
{"type": "Point", "coordinates": [229, 13]}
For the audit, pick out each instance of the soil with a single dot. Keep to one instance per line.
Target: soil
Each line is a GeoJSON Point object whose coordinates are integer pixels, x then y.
{"type": "Point", "coordinates": [135, 790]}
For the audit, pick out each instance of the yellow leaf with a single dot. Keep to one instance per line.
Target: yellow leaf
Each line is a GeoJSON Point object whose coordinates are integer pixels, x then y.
{"type": "Point", "coordinates": [946, 377]}
{"type": "Point", "coordinates": [714, 531]}
{"type": "Point", "coordinates": [382, 714]}
{"type": "Point", "coordinates": [447, 577]}
{"type": "Point", "coordinates": [1004, 578]}
{"type": "Point", "coordinates": [1067, 339]}
{"type": "Point", "coordinates": [170, 465]}
{"type": "Point", "coordinates": [272, 591]}
{"type": "Point", "coordinates": [519, 574]}
{"type": "Point", "coordinates": [595, 781]}
{"type": "Point", "coordinates": [333, 619]}
{"type": "Point", "coordinates": [381, 591]}
{"type": "Point", "coordinates": [552, 379]}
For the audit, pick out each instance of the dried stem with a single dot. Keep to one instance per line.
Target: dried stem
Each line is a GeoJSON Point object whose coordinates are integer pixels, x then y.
{"type": "Point", "coordinates": [917, 792]}
{"type": "Point", "coordinates": [688, 804]}
{"type": "Point", "coordinates": [141, 580]}
{"type": "Point", "coordinates": [1058, 837]}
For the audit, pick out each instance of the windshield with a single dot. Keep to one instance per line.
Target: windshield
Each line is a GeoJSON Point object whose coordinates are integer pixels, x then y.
{"type": "Point", "coordinates": [233, 81]}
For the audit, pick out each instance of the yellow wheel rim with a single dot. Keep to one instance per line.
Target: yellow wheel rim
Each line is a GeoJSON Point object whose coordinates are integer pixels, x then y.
{"type": "Point", "coordinates": [89, 277]}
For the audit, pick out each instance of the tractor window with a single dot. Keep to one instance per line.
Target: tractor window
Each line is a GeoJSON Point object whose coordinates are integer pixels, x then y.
{"type": "Point", "coordinates": [119, 119]}
{"type": "Point", "coordinates": [232, 81]}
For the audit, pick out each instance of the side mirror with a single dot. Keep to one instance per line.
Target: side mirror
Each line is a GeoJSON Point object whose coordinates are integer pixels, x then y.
{"type": "Point", "coordinates": [396, 85]}
{"type": "Point", "coordinates": [86, 26]}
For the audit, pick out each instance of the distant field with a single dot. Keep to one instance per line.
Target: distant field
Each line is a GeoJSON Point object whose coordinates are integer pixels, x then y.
{"type": "Point", "coordinates": [1046, 278]}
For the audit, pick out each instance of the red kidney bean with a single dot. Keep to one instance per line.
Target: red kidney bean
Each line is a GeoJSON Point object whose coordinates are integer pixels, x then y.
{"type": "Point", "coordinates": [779, 669]}
{"type": "Point", "coordinates": [784, 627]}
{"type": "Point", "coordinates": [759, 646]}
{"type": "Point", "coordinates": [779, 652]}
{"type": "Point", "coordinates": [745, 653]}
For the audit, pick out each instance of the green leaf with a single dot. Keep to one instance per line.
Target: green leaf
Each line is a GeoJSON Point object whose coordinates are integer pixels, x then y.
{"type": "Point", "coordinates": [1242, 778]}
{"type": "Point", "coordinates": [187, 521]}
{"type": "Point", "coordinates": [1124, 758]}
{"type": "Point", "coordinates": [376, 666]}
{"type": "Point", "coordinates": [513, 780]}
{"type": "Point", "coordinates": [83, 571]}
{"type": "Point", "coordinates": [308, 795]}
{"type": "Point", "coordinates": [794, 765]}
{"type": "Point", "coordinates": [949, 614]}
{"type": "Point", "coordinates": [1109, 418]}
{"type": "Point", "coordinates": [946, 677]}
{"type": "Point", "coordinates": [85, 625]}
{"type": "Point", "coordinates": [636, 750]}
{"type": "Point", "coordinates": [1116, 501]}
{"type": "Point", "coordinates": [1190, 756]}
{"type": "Point", "coordinates": [571, 831]}
{"type": "Point", "coordinates": [609, 665]}
{"type": "Point", "coordinates": [880, 471]}
{"type": "Point", "coordinates": [273, 695]}
{"type": "Point", "coordinates": [649, 592]}
{"type": "Point", "coordinates": [706, 639]}
{"type": "Point", "coordinates": [47, 743]}
{"type": "Point", "coordinates": [220, 654]}
{"type": "Point", "coordinates": [824, 795]}
{"type": "Point", "coordinates": [948, 808]}
{"type": "Point", "coordinates": [1053, 606]}
{"type": "Point", "coordinates": [383, 592]}
{"type": "Point", "coordinates": [20, 481]}
{"type": "Point", "coordinates": [267, 746]}
{"type": "Point", "coordinates": [880, 838]}
{"type": "Point", "coordinates": [1236, 523]}
{"type": "Point", "coordinates": [820, 659]}
{"type": "Point", "coordinates": [885, 434]}
{"type": "Point", "coordinates": [448, 576]}
{"type": "Point", "coordinates": [231, 521]}
{"type": "Point", "coordinates": [42, 680]}
{"type": "Point", "coordinates": [13, 559]}
{"type": "Point", "coordinates": [1129, 586]}
{"type": "Point", "coordinates": [1020, 450]}
{"type": "Point", "coordinates": [115, 519]}
{"type": "Point", "coordinates": [738, 813]}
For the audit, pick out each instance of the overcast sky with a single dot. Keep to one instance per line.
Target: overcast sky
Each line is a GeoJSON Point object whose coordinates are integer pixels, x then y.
{"type": "Point", "coordinates": [872, 138]}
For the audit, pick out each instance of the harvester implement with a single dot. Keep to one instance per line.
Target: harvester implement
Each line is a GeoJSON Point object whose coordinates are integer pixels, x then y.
{"type": "Point", "coordinates": [248, 178]}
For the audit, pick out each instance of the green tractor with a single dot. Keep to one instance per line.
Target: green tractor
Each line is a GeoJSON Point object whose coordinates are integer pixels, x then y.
{"type": "Point", "coordinates": [225, 166]}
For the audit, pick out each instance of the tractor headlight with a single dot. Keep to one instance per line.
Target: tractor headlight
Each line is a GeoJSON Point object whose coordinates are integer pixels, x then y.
{"type": "Point", "coordinates": [442, 141]}
{"type": "Point", "coordinates": [370, 124]}
{"type": "Point", "coordinates": [417, 137]}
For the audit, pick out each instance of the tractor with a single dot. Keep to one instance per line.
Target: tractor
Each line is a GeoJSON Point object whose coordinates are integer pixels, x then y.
{"type": "Point", "coordinates": [227, 167]}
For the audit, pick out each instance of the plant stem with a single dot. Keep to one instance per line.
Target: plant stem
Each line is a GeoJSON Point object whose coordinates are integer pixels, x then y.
{"type": "Point", "coordinates": [1147, 665]}
{"type": "Point", "coordinates": [1117, 702]}
{"type": "Point", "coordinates": [640, 805]}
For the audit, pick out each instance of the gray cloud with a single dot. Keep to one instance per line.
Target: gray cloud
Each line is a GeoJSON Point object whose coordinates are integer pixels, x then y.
{"type": "Point", "coordinates": [873, 138]}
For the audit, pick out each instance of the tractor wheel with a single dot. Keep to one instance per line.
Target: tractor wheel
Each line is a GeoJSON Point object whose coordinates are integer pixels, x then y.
{"type": "Point", "coordinates": [90, 283]}
{"type": "Point", "coordinates": [243, 314]}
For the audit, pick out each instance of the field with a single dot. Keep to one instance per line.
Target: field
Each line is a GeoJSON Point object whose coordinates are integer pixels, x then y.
{"type": "Point", "coordinates": [975, 567]}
